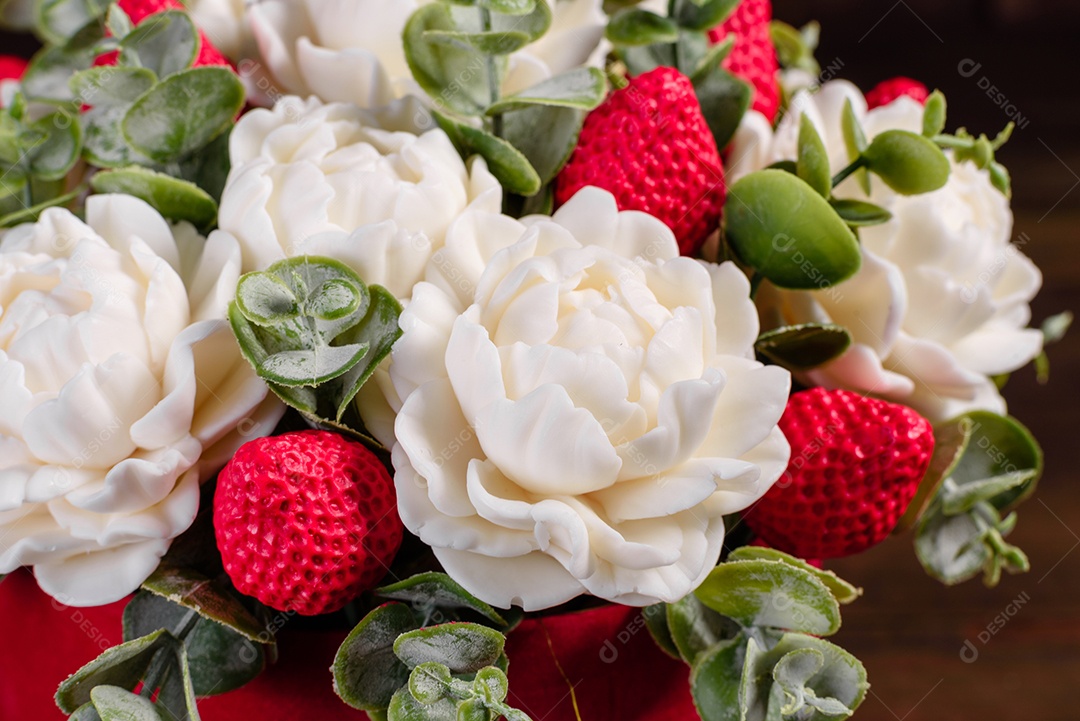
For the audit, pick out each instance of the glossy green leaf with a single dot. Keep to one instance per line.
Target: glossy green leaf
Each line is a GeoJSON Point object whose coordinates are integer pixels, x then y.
{"type": "Point", "coordinates": [111, 85]}
{"type": "Point", "coordinates": [367, 674]}
{"type": "Point", "coordinates": [174, 198]}
{"type": "Point", "coordinates": [546, 135]}
{"type": "Point", "coordinates": [441, 591]}
{"type": "Point", "coordinates": [805, 346]}
{"type": "Point", "coordinates": [859, 213]}
{"type": "Point", "coordinates": [724, 100]}
{"type": "Point", "coordinates": [779, 226]}
{"type": "Point", "coordinates": [715, 679]}
{"type": "Point", "coordinates": [634, 26]}
{"type": "Point", "coordinates": [166, 45]}
{"type": "Point", "coordinates": [582, 88]}
{"type": "Point", "coordinates": [509, 166]}
{"type": "Point", "coordinates": [908, 163]}
{"type": "Point", "coordinates": [813, 162]}
{"type": "Point", "coordinates": [702, 15]}
{"type": "Point", "coordinates": [184, 112]}
{"type": "Point", "coordinates": [458, 78]}
{"type": "Point", "coordinates": [841, 589]}
{"type": "Point", "coordinates": [116, 704]}
{"type": "Point", "coordinates": [771, 594]}
{"type": "Point", "coordinates": [463, 647]}
{"type": "Point", "coordinates": [122, 666]}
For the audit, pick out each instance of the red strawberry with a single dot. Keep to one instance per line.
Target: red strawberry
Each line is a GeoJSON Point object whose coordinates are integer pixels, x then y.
{"type": "Point", "coordinates": [139, 10]}
{"type": "Point", "coordinates": [649, 145]}
{"type": "Point", "coordinates": [305, 521]}
{"type": "Point", "coordinates": [11, 67]}
{"type": "Point", "coordinates": [889, 90]}
{"type": "Point", "coordinates": [856, 463]}
{"type": "Point", "coordinates": [753, 57]}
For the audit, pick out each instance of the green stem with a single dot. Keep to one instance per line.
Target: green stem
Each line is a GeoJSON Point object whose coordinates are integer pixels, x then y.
{"type": "Point", "coordinates": [493, 74]}
{"type": "Point", "coordinates": [160, 665]}
{"type": "Point", "coordinates": [858, 164]}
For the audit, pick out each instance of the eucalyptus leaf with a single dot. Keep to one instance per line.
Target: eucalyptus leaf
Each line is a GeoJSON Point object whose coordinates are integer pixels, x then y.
{"type": "Point", "coordinates": [950, 548]}
{"type": "Point", "coordinates": [176, 697]}
{"type": "Point", "coordinates": [703, 15]}
{"type": "Point", "coordinates": [174, 198]}
{"type": "Point", "coordinates": [184, 112]}
{"type": "Point", "coordinates": [403, 707]}
{"type": "Point", "coordinates": [509, 7]}
{"type": "Point", "coordinates": [86, 712]}
{"type": "Point", "coordinates": [778, 225]}
{"type": "Point", "coordinates": [57, 154]}
{"type": "Point", "coordinates": [104, 144]}
{"type": "Point", "coordinates": [805, 346]}
{"type": "Point", "coordinates": [724, 100]}
{"type": "Point", "coordinates": [841, 589]}
{"type": "Point", "coordinates": [378, 330]}
{"type": "Point", "coordinates": [457, 78]}
{"type": "Point", "coordinates": [813, 162]}
{"type": "Point", "coordinates": [122, 666]}
{"type": "Point", "coordinates": [546, 135]}
{"type": "Point", "coordinates": [859, 213]}
{"type": "Point", "coordinates": [956, 499]}
{"type": "Point", "coordinates": [715, 679]}
{"type": "Point", "coordinates": [771, 594]}
{"type": "Point", "coordinates": [854, 142]}
{"type": "Point", "coordinates": [634, 26]}
{"type": "Point", "coordinates": [999, 445]}
{"type": "Point", "coordinates": [49, 72]}
{"type": "Point", "coordinates": [508, 164]}
{"type": "Point", "coordinates": [31, 214]}
{"type": "Point", "coordinates": [59, 20]}
{"type": "Point", "coordinates": [656, 622]}
{"type": "Point", "coordinates": [488, 43]}
{"type": "Point", "coordinates": [491, 685]}
{"type": "Point", "coordinates": [908, 163]}
{"type": "Point", "coordinates": [111, 85]}
{"type": "Point", "coordinates": [440, 591]}
{"type": "Point", "coordinates": [582, 88]}
{"type": "Point", "coordinates": [118, 21]}
{"type": "Point", "coordinates": [166, 45]}
{"type": "Point", "coordinates": [116, 704]}
{"type": "Point", "coordinates": [950, 442]}
{"type": "Point", "coordinates": [367, 674]}
{"type": "Point", "coordinates": [429, 682]}
{"type": "Point", "coordinates": [695, 628]}
{"type": "Point", "coordinates": [192, 590]}
{"type": "Point", "coordinates": [463, 647]}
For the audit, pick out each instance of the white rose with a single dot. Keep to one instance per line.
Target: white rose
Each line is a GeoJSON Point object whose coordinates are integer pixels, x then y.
{"type": "Point", "coordinates": [225, 24]}
{"type": "Point", "coordinates": [580, 407]}
{"type": "Point", "coordinates": [309, 178]}
{"type": "Point", "coordinates": [122, 388]}
{"type": "Point", "coordinates": [942, 300]}
{"type": "Point", "coordinates": [351, 50]}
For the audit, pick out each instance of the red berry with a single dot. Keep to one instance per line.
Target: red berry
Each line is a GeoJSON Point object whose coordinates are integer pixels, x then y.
{"type": "Point", "coordinates": [856, 463]}
{"type": "Point", "coordinates": [649, 145]}
{"type": "Point", "coordinates": [11, 67]}
{"type": "Point", "coordinates": [139, 10]}
{"type": "Point", "coordinates": [753, 57]}
{"type": "Point", "coordinates": [306, 521]}
{"type": "Point", "coordinates": [889, 90]}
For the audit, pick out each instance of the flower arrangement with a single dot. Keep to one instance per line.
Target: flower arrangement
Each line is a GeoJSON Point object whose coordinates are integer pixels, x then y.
{"type": "Point", "coordinates": [429, 318]}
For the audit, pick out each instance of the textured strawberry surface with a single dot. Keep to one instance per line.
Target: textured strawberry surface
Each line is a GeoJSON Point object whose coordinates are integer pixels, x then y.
{"type": "Point", "coordinates": [889, 90]}
{"type": "Point", "coordinates": [855, 465]}
{"type": "Point", "coordinates": [139, 10]}
{"type": "Point", "coordinates": [649, 145]}
{"type": "Point", "coordinates": [753, 56]}
{"type": "Point", "coordinates": [306, 521]}
{"type": "Point", "coordinates": [11, 68]}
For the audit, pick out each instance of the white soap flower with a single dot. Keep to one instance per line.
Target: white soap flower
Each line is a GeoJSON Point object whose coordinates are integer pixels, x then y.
{"type": "Point", "coordinates": [338, 181]}
{"type": "Point", "coordinates": [941, 303]}
{"type": "Point", "coordinates": [351, 50]}
{"type": "Point", "coordinates": [122, 388]}
{"type": "Point", "coordinates": [578, 407]}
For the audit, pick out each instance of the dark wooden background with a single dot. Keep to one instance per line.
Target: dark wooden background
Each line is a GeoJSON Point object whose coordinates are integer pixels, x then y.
{"type": "Point", "coordinates": [908, 629]}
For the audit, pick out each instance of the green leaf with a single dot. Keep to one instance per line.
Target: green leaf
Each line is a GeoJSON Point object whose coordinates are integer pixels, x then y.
{"type": "Point", "coordinates": [794, 48]}
{"type": "Point", "coordinates": [813, 163]}
{"type": "Point", "coordinates": [47, 76]}
{"type": "Point", "coordinates": [771, 594]}
{"type": "Point", "coordinates": [311, 366]}
{"type": "Point", "coordinates": [950, 441]}
{"type": "Point", "coordinates": [265, 299]}
{"type": "Point", "coordinates": [640, 59]}
{"type": "Point", "coordinates": [378, 330]}
{"type": "Point", "coordinates": [1055, 327]}
{"type": "Point", "coordinates": [781, 227]}
{"type": "Point", "coordinates": [841, 589]}
{"type": "Point", "coordinates": [934, 115]}
{"type": "Point", "coordinates": [509, 166]}
{"type": "Point", "coordinates": [118, 22]}
{"type": "Point", "coordinates": [703, 15]}
{"type": "Point", "coordinates": [463, 647]}
{"type": "Point", "coordinates": [457, 77]}
{"type": "Point", "coordinates": [715, 679]}
{"type": "Point", "coordinates": [854, 142]}
{"type": "Point", "coordinates": [209, 168]}
{"type": "Point", "coordinates": [859, 213]}
{"type": "Point", "coordinates": [111, 85]}
{"type": "Point", "coordinates": [367, 674]}
{"type": "Point", "coordinates": [194, 591]}
{"type": "Point", "coordinates": [510, 7]}
{"type": "Point", "coordinates": [908, 163]}
{"type": "Point", "coordinates": [546, 135]}
{"type": "Point", "coordinates": [31, 214]}
{"type": "Point", "coordinates": [403, 707]}
{"type": "Point", "coordinates": [656, 621]}
{"type": "Point", "coordinates": [184, 112]}
{"type": "Point", "coordinates": [439, 590]}
{"type": "Point", "coordinates": [695, 628]}
{"type": "Point", "coordinates": [634, 26]}
{"type": "Point", "coordinates": [86, 712]}
{"type": "Point", "coordinates": [491, 685]}
{"type": "Point", "coordinates": [488, 43]}
{"type": "Point", "coordinates": [582, 88]}
{"type": "Point", "coordinates": [956, 499]}
{"type": "Point", "coordinates": [429, 682]}
{"type": "Point", "coordinates": [999, 445]}
{"type": "Point", "coordinates": [59, 20]}
{"type": "Point", "coordinates": [724, 100]}
{"type": "Point", "coordinates": [174, 198]}
{"type": "Point", "coordinates": [534, 22]}
{"type": "Point", "coordinates": [104, 144]}
{"type": "Point", "coordinates": [805, 346]}
{"type": "Point", "coordinates": [116, 704]}
{"type": "Point", "coordinates": [122, 665]}
{"type": "Point", "coordinates": [166, 46]}
{"type": "Point", "coordinates": [950, 548]}
{"type": "Point", "coordinates": [58, 152]}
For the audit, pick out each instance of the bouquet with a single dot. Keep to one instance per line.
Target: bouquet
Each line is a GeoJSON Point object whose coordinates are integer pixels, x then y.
{"type": "Point", "coordinates": [436, 319]}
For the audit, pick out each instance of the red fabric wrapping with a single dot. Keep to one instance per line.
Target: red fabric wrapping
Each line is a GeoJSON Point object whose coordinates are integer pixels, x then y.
{"type": "Point", "coordinates": [616, 669]}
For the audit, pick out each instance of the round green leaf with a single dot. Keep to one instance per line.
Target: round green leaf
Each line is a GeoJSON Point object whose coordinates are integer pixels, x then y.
{"type": "Point", "coordinates": [167, 45]}
{"type": "Point", "coordinates": [704, 15]}
{"type": "Point", "coordinates": [439, 590]}
{"type": "Point", "coordinates": [111, 85]}
{"type": "Point", "coordinates": [464, 647]}
{"type": "Point", "coordinates": [456, 76]}
{"type": "Point", "coordinates": [122, 665]}
{"type": "Point", "coordinates": [174, 198]}
{"type": "Point", "coordinates": [844, 591]}
{"type": "Point", "coordinates": [367, 674]}
{"type": "Point", "coordinates": [695, 628]}
{"type": "Point", "coordinates": [724, 100]}
{"type": "Point", "coordinates": [781, 227]}
{"type": "Point", "coordinates": [429, 682]}
{"type": "Point", "coordinates": [491, 683]}
{"type": "Point", "coordinates": [771, 594]}
{"type": "Point", "coordinates": [657, 623]}
{"type": "Point", "coordinates": [715, 679]}
{"type": "Point", "coordinates": [999, 445]}
{"type": "Point", "coordinates": [635, 26]}
{"type": "Point", "coordinates": [184, 112]}
{"type": "Point", "coordinates": [582, 88]}
{"type": "Point", "coordinates": [489, 43]}
{"type": "Point", "coordinates": [116, 704]}
{"type": "Point", "coordinates": [509, 7]}
{"type": "Point", "coordinates": [908, 163]}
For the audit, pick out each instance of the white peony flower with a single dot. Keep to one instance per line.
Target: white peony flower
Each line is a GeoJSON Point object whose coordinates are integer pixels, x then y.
{"type": "Point", "coordinates": [578, 407]}
{"type": "Point", "coordinates": [335, 180]}
{"type": "Point", "coordinates": [351, 50]}
{"type": "Point", "coordinates": [942, 300]}
{"type": "Point", "coordinates": [122, 388]}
